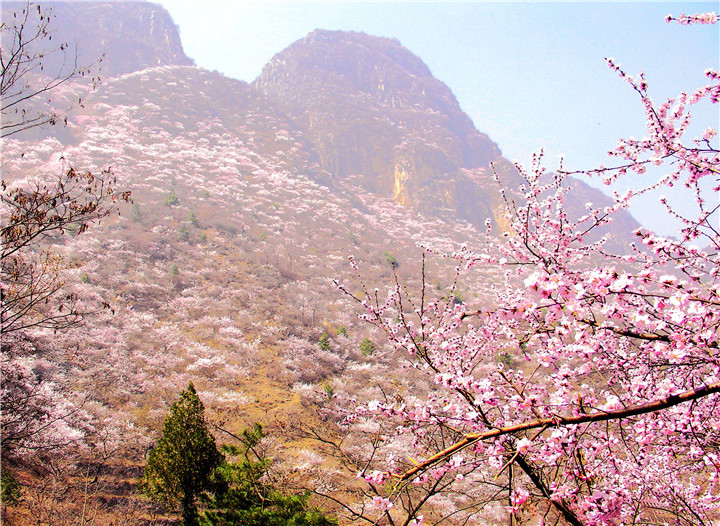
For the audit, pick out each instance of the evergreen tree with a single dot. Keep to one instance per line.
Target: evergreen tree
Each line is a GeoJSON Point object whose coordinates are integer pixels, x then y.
{"type": "Point", "coordinates": [324, 342]}
{"type": "Point", "coordinates": [247, 497]}
{"type": "Point", "coordinates": [181, 465]}
{"type": "Point", "coordinates": [367, 347]}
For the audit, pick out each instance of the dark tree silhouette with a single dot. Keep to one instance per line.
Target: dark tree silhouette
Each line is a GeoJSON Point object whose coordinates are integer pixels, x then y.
{"type": "Point", "coordinates": [180, 466]}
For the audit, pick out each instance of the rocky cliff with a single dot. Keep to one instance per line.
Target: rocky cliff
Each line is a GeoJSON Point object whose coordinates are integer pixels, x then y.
{"type": "Point", "coordinates": [132, 35]}
{"type": "Point", "coordinates": [371, 107]}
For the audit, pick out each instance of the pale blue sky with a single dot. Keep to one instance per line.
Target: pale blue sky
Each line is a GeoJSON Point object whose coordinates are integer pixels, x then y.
{"type": "Point", "coordinates": [529, 74]}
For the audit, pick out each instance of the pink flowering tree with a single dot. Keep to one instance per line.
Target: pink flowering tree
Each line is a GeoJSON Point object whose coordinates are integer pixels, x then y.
{"type": "Point", "coordinates": [585, 388]}
{"type": "Point", "coordinates": [38, 412]}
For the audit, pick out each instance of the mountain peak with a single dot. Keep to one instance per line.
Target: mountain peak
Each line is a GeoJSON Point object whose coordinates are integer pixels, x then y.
{"type": "Point", "coordinates": [375, 66]}
{"type": "Point", "coordinates": [368, 46]}
{"type": "Point", "coordinates": [372, 109]}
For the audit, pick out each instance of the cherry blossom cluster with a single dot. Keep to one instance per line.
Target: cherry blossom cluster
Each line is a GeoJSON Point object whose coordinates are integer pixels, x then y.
{"type": "Point", "coordinates": [686, 20]}
{"type": "Point", "coordinates": [585, 385]}
{"type": "Point", "coordinates": [695, 163]}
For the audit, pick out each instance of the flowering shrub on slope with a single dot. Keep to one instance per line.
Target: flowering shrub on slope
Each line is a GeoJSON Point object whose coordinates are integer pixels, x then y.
{"type": "Point", "coordinates": [587, 388]}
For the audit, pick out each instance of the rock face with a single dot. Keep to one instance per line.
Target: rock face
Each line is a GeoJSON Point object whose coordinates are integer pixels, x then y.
{"type": "Point", "coordinates": [370, 107]}
{"type": "Point", "coordinates": [133, 35]}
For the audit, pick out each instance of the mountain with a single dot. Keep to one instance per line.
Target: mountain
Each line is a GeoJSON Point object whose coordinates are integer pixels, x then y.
{"type": "Point", "coordinates": [365, 108]}
{"type": "Point", "coordinates": [371, 108]}
{"type": "Point", "coordinates": [248, 198]}
{"type": "Point", "coordinates": [247, 201]}
{"type": "Point", "coordinates": [376, 117]}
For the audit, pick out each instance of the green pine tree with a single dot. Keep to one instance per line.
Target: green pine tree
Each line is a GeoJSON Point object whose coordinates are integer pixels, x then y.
{"type": "Point", "coordinates": [324, 342]}
{"type": "Point", "coordinates": [181, 465]}
{"type": "Point", "coordinates": [367, 347]}
{"type": "Point", "coordinates": [245, 495]}
{"type": "Point", "coordinates": [193, 219]}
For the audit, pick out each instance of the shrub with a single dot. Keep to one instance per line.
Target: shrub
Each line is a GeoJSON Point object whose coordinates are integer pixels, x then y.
{"type": "Point", "coordinates": [329, 389]}
{"type": "Point", "coordinates": [171, 199]}
{"type": "Point", "coordinates": [184, 232]}
{"type": "Point", "coordinates": [246, 497]}
{"type": "Point", "coordinates": [10, 488]}
{"type": "Point", "coordinates": [505, 359]}
{"type": "Point", "coordinates": [367, 347]}
{"type": "Point", "coordinates": [390, 259]}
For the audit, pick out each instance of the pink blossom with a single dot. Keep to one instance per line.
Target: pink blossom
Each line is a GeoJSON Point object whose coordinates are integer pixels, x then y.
{"type": "Point", "coordinates": [382, 503]}
{"type": "Point", "coordinates": [523, 445]}
{"type": "Point", "coordinates": [577, 332]}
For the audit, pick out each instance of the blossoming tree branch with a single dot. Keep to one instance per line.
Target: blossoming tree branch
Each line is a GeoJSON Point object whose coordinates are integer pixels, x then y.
{"type": "Point", "coordinates": [584, 389]}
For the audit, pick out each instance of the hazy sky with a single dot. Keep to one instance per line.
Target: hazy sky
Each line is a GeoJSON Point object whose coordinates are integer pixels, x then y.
{"type": "Point", "coordinates": [529, 74]}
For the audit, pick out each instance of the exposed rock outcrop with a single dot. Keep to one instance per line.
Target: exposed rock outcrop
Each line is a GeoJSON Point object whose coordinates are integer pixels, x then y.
{"type": "Point", "coordinates": [371, 107]}
{"type": "Point", "coordinates": [132, 35]}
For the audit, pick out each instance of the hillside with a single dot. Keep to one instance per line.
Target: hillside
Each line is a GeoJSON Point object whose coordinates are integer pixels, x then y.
{"type": "Point", "coordinates": [247, 201]}
{"type": "Point", "coordinates": [221, 270]}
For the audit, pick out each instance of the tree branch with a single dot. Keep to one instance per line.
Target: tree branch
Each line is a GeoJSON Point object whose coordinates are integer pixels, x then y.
{"type": "Point", "coordinates": [558, 421]}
